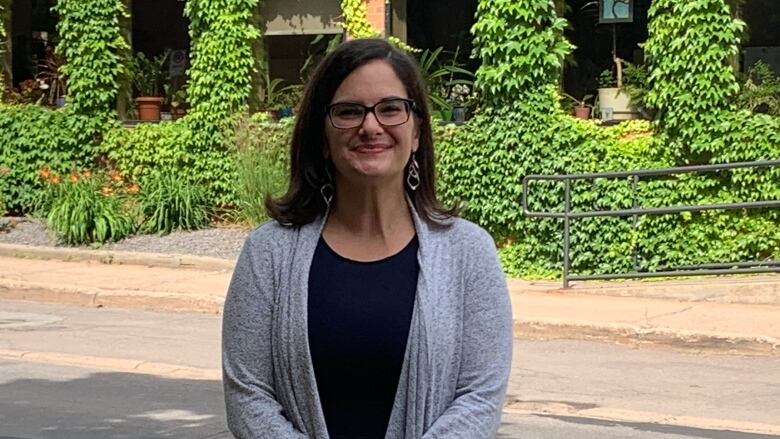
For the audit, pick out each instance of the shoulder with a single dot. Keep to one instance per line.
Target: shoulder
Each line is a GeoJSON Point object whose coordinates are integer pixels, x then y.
{"type": "Point", "coordinates": [466, 237]}
{"type": "Point", "coordinates": [270, 235]}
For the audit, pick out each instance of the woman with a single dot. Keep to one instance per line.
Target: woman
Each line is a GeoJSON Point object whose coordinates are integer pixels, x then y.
{"type": "Point", "coordinates": [365, 309]}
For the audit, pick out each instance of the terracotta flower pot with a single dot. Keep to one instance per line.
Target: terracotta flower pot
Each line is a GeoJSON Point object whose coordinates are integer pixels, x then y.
{"type": "Point", "coordinates": [582, 112]}
{"type": "Point", "coordinates": [149, 107]}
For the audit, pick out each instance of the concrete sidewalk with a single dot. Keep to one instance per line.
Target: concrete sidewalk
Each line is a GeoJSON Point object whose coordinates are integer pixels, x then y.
{"type": "Point", "coordinates": [739, 315]}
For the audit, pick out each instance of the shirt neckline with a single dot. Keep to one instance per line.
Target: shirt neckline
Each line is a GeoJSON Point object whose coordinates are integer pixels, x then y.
{"type": "Point", "coordinates": [330, 250]}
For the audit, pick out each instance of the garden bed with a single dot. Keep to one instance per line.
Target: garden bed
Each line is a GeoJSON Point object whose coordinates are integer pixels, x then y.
{"type": "Point", "coordinates": [218, 242]}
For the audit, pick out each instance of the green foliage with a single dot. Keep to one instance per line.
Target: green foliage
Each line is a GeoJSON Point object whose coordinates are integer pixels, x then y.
{"type": "Point", "coordinates": [220, 83]}
{"type": "Point", "coordinates": [149, 74]}
{"type": "Point", "coordinates": [139, 152]}
{"type": "Point", "coordinates": [760, 90]}
{"type": "Point", "coordinates": [169, 201]}
{"type": "Point", "coordinates": [90, 40]}
{"type": "Point", "coordinates": [176, 148]}
{"type": "Point", "coordinates": [261, 153]}
{"type": "Point", "coordinates": [356, 19]}
{"type": "Point", "coordinates": [87, 210]}
{"type": "Point", "coordinates": [4, 171]}
{"type": "Point", "coordinates": [522, 47]}
{"type": "Point", "coordinates": [689, 47]}
{"type": "Point", "coordinates": [34, 137]}
{"type": "Point", "coordinates": [442, 77]}
{"type": "Point", "coordinates": [221, 56]}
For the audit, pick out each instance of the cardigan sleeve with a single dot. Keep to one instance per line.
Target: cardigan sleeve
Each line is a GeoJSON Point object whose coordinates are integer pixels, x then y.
{"type": "Point", "coordinates": [475, 413]}
{"type": "Point", "coordinates": [253, 411]}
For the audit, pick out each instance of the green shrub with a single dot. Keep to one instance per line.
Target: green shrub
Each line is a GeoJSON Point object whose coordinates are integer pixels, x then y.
{"type": "Point", "coordinates": [175, 147]}
{"type": "Point", "coordinates": [33, 137]}
{"type": "Point", "coordinates": [89, 210]}
{"type": "Point", "coordinates": [168, 201]}
{"type": "Point", "coordinates": [261, 151]}
{"type": "Point", "coordinates": [759, 90]}
{"type": "Point", "coordinates": [4, 171]}
{"type": "Point", "coordinates": [147, 148]}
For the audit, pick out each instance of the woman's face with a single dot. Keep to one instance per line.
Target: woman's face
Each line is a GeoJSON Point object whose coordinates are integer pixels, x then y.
{"type": "Point", "coordinates": [371, 153]}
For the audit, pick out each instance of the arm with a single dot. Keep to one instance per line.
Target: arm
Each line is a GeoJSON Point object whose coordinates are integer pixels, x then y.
{"type": "Point", "coordinates": [487, 351]}
{"type": "Point", "coordinates": [252, 409]}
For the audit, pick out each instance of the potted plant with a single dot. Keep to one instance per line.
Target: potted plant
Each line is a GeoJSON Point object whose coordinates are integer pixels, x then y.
{"type": "Point", "coordinates": [178, 101]}
{"type": "Point", "coordinates": [460, 99]}
{"type": "Point", "coordinates": [51, 79]}
{"type": "Point", "coordinates": [582, 110]}
{"type": "Point", "coordinates": [289, 97]}
{"type": "Point", "coordinates": [149, 75]}
{"type": "Point", "coordinates": [636, 84]}
{"type": "Point", "coordinates": [614, 101]}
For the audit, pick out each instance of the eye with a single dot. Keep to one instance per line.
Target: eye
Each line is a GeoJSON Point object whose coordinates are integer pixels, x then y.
{"type": "Point", "coordinates": [391, 107]}
{"type": "Point", "coordinates": [347, 111]}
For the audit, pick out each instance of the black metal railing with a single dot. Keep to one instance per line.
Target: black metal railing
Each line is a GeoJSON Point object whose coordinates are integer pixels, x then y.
{"type": "Point", "coordinates": [747, 267]}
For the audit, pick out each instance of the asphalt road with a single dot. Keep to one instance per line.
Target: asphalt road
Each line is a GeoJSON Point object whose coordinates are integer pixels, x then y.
{"type": "Point", "coordinates": [80, 373]}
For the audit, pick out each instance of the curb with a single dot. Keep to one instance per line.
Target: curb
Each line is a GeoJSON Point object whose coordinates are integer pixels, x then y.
{"type": "Point", "coordinates": [165, 260]}
{"type": "Point", "coordinates": [96, 297]}
{"type": "Point", "coordinates": [687, 340]}
{"type": "Point", "coordinates": [753, 290]}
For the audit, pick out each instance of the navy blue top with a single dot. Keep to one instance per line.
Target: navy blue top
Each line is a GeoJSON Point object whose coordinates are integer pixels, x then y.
{"type": "Point", "coordinates": [358, 317]}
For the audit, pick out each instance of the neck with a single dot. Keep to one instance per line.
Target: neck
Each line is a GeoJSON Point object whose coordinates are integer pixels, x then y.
{"type": "Point", "coordinates": [371, 211]}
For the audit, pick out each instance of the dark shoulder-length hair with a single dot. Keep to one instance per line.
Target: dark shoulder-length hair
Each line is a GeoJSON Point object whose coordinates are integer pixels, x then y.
{"type": "Point", "coordinates": [303, 202]}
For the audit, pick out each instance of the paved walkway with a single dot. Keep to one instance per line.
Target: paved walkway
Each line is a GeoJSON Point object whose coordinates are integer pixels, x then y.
{"type": "Point", "coordinates": [726, 314]}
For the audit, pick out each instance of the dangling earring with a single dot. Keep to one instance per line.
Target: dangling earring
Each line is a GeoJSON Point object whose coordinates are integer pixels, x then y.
{"type": "Point", "coordinates": [413, 177]}
{"type": "Point", "coordinates": [327, 190]}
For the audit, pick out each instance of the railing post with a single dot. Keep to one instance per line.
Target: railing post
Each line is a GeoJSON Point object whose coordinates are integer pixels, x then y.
{"type": "Point", "coordinates": [635, 252]}
{"type": "Point", "coordinates": [566, 221]}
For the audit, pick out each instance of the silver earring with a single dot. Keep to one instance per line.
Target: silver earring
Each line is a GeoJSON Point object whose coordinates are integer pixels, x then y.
{"type": "Point", "coordinates": [413, 177]}
{"type": "Point", "coordinates": [327, 190]}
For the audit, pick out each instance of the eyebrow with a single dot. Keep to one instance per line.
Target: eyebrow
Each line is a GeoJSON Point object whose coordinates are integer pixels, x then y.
{"type": "Point", "coordinates": [384, 99]}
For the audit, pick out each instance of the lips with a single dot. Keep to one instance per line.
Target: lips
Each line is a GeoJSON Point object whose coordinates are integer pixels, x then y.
{"type": "Point", "coordinates": [371, 148]}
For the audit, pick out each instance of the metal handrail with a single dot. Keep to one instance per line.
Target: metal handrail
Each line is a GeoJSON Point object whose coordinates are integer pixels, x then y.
{"type": "Point", "coordinates": [567, 215]}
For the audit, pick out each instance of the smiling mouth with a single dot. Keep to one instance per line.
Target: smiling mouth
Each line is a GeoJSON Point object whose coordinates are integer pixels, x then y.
{"type": "Point", "coordinates": [369, 148]}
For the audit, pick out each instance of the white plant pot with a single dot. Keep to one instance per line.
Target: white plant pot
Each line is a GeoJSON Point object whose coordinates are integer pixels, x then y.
{"type": "Point", "coordinates": [615, 104]}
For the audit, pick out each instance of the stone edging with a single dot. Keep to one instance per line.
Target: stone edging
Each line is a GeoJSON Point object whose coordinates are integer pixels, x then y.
{"type": "Point", "coordinates": [117, 257]}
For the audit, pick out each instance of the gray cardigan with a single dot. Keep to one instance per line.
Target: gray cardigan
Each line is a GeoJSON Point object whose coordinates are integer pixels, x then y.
{"type": "Point", "coordinates": [458, 354]}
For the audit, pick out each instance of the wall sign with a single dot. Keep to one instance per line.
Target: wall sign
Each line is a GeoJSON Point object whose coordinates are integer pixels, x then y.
{"type": "Point", "coordinates": [616, 11]}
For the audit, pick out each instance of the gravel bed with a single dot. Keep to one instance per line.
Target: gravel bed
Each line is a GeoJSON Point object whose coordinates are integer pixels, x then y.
{"type": "Point", "coordinates": [219, 242]}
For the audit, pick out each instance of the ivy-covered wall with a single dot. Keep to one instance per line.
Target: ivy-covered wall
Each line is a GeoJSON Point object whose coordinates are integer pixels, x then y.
{"type": "Point", "coordinates": [91, 40]}
{"type": "Point", "coordinates": [522, 131]}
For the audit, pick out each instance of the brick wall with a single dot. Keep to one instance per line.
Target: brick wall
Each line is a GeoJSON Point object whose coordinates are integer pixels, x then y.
{"type": "Point", "coordinates": [376, 14]}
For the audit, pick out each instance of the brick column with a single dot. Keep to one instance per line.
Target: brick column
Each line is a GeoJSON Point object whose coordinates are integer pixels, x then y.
{"type": "Point", "coordinates": [376, 14]}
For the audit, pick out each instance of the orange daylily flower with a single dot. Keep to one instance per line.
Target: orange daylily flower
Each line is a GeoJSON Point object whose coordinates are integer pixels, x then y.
{"type": "Point", "coordinates": [86, 174]}
{"type": "Point", "coordinates": [55, 179]}
{"type": "Point", "coordinates": [106, 190]}
{"type": "Point", "coordinates": [133, 188]}
{"type": "Point", "coordinates": [44, 173]}
{"type": "Point", "coordinates": [73, 177]}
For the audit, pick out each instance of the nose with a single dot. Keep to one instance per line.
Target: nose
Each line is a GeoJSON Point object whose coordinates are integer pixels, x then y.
{"type": "Point", "coordinates": [371, 124]}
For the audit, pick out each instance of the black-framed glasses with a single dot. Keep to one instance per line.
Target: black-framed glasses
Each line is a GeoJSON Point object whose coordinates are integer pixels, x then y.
{"type": "Point", "coordinates": [390, 112]}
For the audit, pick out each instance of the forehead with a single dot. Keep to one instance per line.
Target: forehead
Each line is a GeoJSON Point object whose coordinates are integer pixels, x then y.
{"type": "Point", "coordinates": [370, 83]}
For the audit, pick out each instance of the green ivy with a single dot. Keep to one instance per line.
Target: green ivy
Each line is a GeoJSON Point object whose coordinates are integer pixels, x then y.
{"type": "Point", "coordinates": [33, 137]}
{"type": "Point", "coordinates": [522, 47]}
{"type": "Point", "coordinates": [356, 19]}
{"type": "Point", "coordinates": [221, 54]}
{"type": "Point", "coordinates": [139, 152]}
{"type": "Point", "coordinates": [522, 131]}
{"type": "Point", "coordinates": [688, 49]}
{"type": "Point", "coordinates": [91, 41]}
{"type": "Point", "coordinates": [222, 32]}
